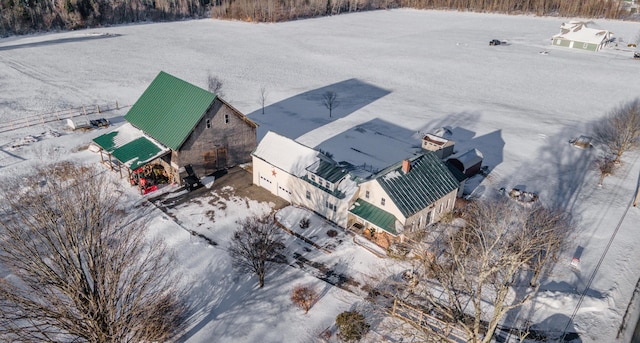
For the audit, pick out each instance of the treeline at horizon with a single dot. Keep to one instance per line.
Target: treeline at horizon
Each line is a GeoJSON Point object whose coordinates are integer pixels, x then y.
{"type": "Point", "coordinates": [28, 16]}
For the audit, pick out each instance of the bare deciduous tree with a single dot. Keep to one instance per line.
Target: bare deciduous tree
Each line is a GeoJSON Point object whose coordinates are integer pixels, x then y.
{"type": "Point", "coordinates": [329, 100]}
{"type": "Point", "coordinates": [304, 297]}
{"type": "Point", "coordinates": [81, 268]}
{"type": "Point", "coordinates": [488, 266]}
{"type": "Point", "coordinates": [606, 167]}
{"type": "Point", "coordinates": [263, 97]}
{"type": "Point", "coordinates": [620, 130]}
{"type": "Point", "coordinates": [256, 247]}
{"type": "Point", "coordinates": [215, 84]}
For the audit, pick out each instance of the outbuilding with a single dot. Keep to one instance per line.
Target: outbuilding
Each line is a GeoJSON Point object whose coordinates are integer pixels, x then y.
{"type": "Point", "coordinates": [175, 124]}
{"type": "Point", "coordinates": [469, 162]}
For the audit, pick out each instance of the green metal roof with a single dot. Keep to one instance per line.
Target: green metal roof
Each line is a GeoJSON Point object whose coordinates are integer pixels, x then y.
{"type": "Point", "coordinates": [374, 215]}
{"type": "Point", "coordinates": [137, 153]}
{"type": "Point", "coordinates": [427, 181]}
{"type": "Point", "coordinates": [327, 170]}
{"type": "Point", "coordinates": [169, 109]}
{"type": "Point", "coordinates": [130, 146]}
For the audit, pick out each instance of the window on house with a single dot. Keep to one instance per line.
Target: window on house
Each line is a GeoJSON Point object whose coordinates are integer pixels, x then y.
{"type": "Point", "coordinates": [382, 201]}
{"type": "Point", "coordinates": [208, 123]}
{"type": "Point", "coordinates": [226, 118]}
{"type": "Point", "coordinates": [585, 45]}
{"type": "Point", "coordinates": [366, 194]}
{"type": "Point", "coordinates": [447, 203]}
{"type": "Point", "coordinates": [440, 210]}
{"type": "Point", "coordinates": [308, 195]}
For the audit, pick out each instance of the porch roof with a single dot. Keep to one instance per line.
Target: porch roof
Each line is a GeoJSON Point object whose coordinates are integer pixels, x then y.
{"type": "Point", "coordinates": [374, 215]}
{"type": "Point", "coordinates": [131, 146]}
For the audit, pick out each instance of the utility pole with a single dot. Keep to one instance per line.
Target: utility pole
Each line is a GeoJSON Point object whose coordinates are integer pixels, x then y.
{"type": "Point", "coordinates": [635, 201]}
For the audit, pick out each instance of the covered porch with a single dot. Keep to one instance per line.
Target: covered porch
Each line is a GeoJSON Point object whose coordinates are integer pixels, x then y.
{"type": "Point", "coordinates": [128, 150]}
{"type": "Point", "coordinates": [373, 223]}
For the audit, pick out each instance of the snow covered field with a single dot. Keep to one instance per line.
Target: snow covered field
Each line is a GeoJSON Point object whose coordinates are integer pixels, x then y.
{"type": "Point", "coordinates": [397, 74]}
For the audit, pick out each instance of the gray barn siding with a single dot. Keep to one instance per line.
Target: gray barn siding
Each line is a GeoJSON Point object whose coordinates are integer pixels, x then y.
{"type": "Point", "coordinates": [237, 136]}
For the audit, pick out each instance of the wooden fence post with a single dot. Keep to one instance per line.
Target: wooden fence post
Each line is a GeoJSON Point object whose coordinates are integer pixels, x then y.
{"type": "Point", "coordinates": [117, 107]}
{"type": "Point", "coordinates": [97, 108]}
{"type": "Point", "coordinates": [84, 110]}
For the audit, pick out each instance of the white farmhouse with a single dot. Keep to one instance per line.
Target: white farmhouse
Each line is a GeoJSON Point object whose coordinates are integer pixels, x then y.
{"type": "Point", "coordinates": [409, 194]}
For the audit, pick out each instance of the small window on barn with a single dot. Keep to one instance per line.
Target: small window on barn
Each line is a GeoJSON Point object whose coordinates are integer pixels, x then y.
{"type": "Point", "coordinates": [382, 201]}
{"type": "Point", "coordinates": [226, 118]}
{"type": "Point", "coordinates": [308, 195]}
{"type": "Point", "coordinates": [366, 194]}
{"type": "Point", "coordinates": [208, 123]}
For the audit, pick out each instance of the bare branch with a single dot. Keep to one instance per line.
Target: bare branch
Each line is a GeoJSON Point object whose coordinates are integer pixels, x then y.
{"type": "Point", "coordinates": [81, 269]}
{"type": "Point", "coordinates": [256, 247]}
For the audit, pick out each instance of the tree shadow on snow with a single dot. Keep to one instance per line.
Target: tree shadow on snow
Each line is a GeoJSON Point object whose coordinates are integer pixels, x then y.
{"type": "Point", "coordinates": [75, 39]}
{"type": "Point", "coordinates": [233, 305]}
{"type": "Point", "coordinates": [299, 114]}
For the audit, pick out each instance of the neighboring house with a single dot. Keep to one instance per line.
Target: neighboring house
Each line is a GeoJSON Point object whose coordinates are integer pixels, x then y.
{"type": "Point", "coordinates": [469, 162]}
{"type": "Point", "coordinates": [175, 124]}
{"type": "Point", "coordinates": [303, 176]}
{"type": "Point", "coordinates": [576, 35]}
{"type": "Point", "coordinates": [412, 193]}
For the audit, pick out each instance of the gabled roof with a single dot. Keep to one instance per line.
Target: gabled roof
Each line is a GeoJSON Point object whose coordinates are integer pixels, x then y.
{"type": "Point", "coordinates": [286, 154]}
{"type": "Point", "coordinates": [130, 146]}
{"type": "Point", "coordinates": [578, 31]}
{"type": "Point", "coordinates": [427, 181]}
{"type": "Point", "coordinates": [468, 158]}
{"type": "Point", "coordinates": [169, 109]}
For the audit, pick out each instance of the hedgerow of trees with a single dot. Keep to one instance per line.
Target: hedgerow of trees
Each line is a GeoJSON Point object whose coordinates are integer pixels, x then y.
{"type": "Point", "coordinates": [25, 16]}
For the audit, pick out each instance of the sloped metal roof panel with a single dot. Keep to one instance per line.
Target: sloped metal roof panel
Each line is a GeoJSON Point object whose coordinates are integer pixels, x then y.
{"type": "Point", "coordinates": [427, 181]}
{"type": "Point", "coordinates": [374, 215]}
{"type": "Point", "coordinates": [169, 109]}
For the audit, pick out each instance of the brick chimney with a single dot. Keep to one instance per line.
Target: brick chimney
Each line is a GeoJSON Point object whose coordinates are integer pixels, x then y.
{"type": "Point", "coordinates": [406, 166]}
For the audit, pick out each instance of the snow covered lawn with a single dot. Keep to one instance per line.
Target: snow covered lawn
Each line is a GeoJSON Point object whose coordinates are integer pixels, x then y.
{"type": "Point", "coordinates": [398, 74]}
